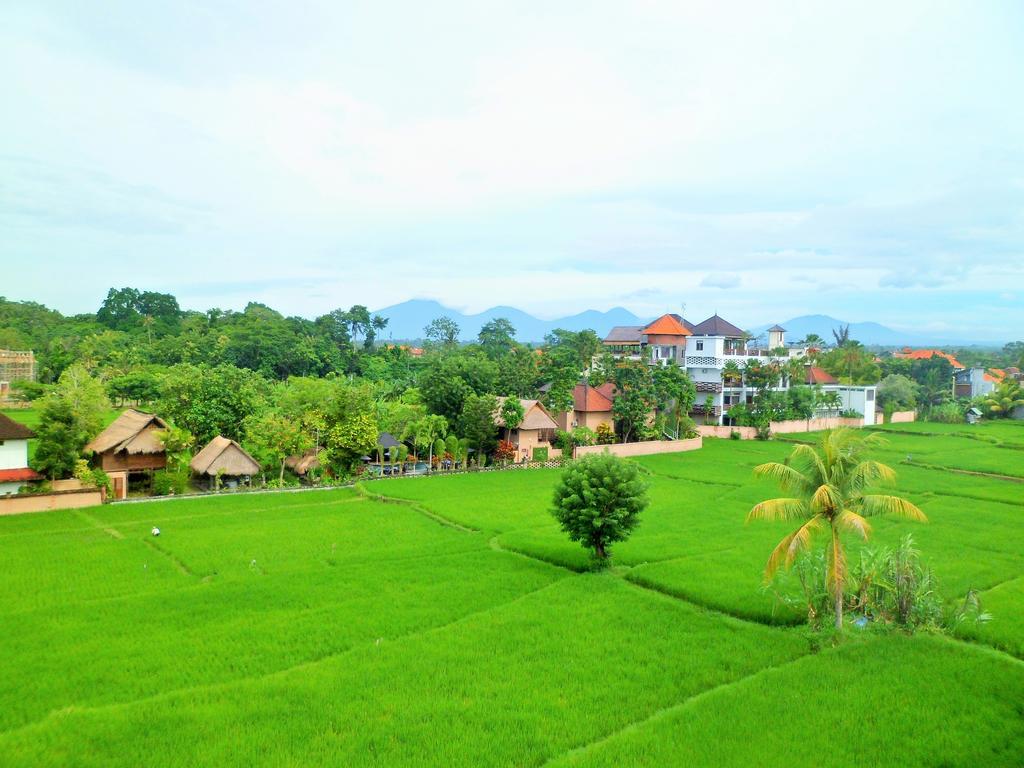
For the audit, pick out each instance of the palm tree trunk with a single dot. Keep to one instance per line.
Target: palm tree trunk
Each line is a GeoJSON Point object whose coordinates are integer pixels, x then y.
{"type": "Point", "coordinates": [837, 577]}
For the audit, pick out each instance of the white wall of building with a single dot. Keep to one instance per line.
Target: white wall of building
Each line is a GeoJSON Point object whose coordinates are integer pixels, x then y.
{"type": "Point", "coordinates": [859, 399]}
{"type": "Point", "coordinates": [13, 454]}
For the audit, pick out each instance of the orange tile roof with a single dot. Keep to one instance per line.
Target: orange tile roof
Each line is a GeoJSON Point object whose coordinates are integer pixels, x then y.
{"type": "Point", "coordinates": [817, 375]}
{"type": "Point", "coordinates": [666, 325]}
{"type": "Point", "coordinates": [995, 375]}
{"type": "Point", "coordinates": [927, 354]}
{"type": "Point", "coordinates": [588, 398]}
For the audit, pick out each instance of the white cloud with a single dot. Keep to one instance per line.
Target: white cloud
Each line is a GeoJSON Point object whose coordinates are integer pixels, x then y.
{"type": "Point", "coordinates": [724, 281]}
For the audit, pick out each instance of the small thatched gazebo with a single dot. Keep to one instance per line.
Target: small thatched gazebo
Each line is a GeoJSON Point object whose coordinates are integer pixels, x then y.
{"type": "Point", "coordinates": [304, 464]}
{"type": "Point", "coordinates": [224, 458]}
{"type": "Point", "coordinates": [131, 444]}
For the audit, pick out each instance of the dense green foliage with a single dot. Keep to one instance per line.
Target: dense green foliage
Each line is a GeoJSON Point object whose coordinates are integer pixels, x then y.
{"type": "Point", "coordinates": [598, 501]}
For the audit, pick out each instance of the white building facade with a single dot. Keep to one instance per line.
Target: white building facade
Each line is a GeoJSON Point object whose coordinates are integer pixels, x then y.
{"type": "Point", "coordinates": [705, 351]}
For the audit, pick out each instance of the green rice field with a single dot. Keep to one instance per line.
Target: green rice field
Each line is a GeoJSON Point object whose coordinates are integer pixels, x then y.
{"type": "Point", "coordinates": [447, 621]}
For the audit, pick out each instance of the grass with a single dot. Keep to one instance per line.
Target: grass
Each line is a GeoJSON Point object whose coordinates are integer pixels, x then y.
{"type": "Point", "coordinates": [462, 628]}
{"type": "Point", "coordinates": [880, 703]}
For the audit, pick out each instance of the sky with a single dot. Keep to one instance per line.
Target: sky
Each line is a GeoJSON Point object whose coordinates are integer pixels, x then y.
{"type": "Point", "coordinates": [762, 160]}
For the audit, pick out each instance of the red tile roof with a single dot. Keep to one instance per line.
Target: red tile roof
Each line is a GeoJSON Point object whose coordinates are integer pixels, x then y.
{"type": "Point", "coordinates": [588, 398]}
{"type": "Point", "coordinates": [927, 354]}
{"type": "Point", "coordinates": [18, 475]}
{"type": "Point", "coordinates": [666, 325]}
{"type": "Point", "coordinates": [607, 389]}
{"type": "Point", "coordinates": [12, 430]}
{"type": "Point", "coordinates": [817, 375]}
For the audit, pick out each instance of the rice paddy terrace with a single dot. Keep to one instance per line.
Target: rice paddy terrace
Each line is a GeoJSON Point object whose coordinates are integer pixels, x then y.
{"type": "Point", "coordinates": [447, 621]}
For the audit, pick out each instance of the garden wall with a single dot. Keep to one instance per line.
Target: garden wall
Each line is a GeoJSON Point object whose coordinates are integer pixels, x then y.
{"type": "Point", "coordinates": [903, 417]}
{"type": "Point", "coordinates": [781, 427]}
{"type": "Point", "coordinates": [642, 449]}
{"type": "Point", "coordinates": [47, 502]}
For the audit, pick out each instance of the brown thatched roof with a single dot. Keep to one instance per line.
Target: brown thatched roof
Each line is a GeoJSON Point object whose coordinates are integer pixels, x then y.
{"type": "Point", "coordinates": [535, 415]}
{"type": "Point", "coordinates": [224, 456]}
{"type": "Point", "coordinates": [12, 430]}
{"type": "Point", "coordinates": [300, 465]}
{"type": "Point", "coordinates": [132, 432]}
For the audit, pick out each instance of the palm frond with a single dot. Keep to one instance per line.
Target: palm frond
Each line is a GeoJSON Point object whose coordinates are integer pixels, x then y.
{"type": "Point", "coordinates": [878, 504]}
{"type": "Point", "coordinates": [778, 509]}
{"type": "Point", "coordinates": [790, 546]}
{"type": "Point", "coordinates": [870, 472]}
{"type": "Point", "coordinates": [812, 458]}
{"type": "Point", "coordinates": [789, 479]}
{"type": "Point", "coordinates": [825, 498]}
{"type": "Point", "coordinates": [851, 521]}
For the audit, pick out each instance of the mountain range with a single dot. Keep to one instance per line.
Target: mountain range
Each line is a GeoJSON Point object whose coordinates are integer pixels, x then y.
{"type": "Point", "coordinates": [407, 320]}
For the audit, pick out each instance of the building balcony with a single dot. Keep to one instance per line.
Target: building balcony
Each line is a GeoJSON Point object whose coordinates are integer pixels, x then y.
{"type": "Point", "coordinates": [702, 361]}
{"type": "Point", "coordinates": [708, 387]}
{"type": "Point", "coordinates": [701, 410]}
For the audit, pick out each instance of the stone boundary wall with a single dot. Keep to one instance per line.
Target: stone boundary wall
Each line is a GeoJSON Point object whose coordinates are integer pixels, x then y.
{"type": "Point", "coordinates": [781, 427]}
{"type": "Point", "coordinates": [24, 503]}
{"type": "Point", "coordinates": [645, 448]}
{"type": "Point", "coordinates": [903, 417]}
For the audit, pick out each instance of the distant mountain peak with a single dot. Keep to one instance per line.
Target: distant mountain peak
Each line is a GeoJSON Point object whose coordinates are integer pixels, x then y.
{"type": "Point", "coordinates": [408, 319]}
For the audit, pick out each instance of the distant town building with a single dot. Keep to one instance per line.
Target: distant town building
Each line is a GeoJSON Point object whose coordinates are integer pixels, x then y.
{"type": "Point", "coordinates": [707, 350]}
{"type": "Point", "coordinates": [15, 366]}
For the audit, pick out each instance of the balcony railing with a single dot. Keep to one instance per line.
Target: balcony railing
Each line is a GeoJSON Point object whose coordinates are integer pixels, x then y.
{"type": "Point", "coordinates": [703, 361]}
{"type": "Point", "coordinates": [708, 386]}
{"type": "Point", "coordinates": [701, 408]}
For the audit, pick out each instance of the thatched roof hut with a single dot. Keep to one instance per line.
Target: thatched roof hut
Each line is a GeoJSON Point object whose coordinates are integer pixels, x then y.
{"type": "Point", "coordinates": [130, 443]}
{"type": "Point", "coordinates": [222, 456]}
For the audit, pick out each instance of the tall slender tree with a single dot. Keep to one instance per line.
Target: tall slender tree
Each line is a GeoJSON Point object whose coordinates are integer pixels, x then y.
{"type": "Point", "coordinates": [830, 491]}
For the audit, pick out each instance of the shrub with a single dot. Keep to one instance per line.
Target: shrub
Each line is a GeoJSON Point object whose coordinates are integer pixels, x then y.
{"type": "Point", "coordinates": [946, 413]}
{"type": "Point", "coordinates": [885, 587]}
{"type": "Point", "coordinates": [687, 428]}
{"type": "Point", "coordinates": [734, 434]}
{"type": "Point", "coordinates": [505, 451]}
{"type": "Point", "coordinates": [96, 478]}
{"type": "Point", "coordinates": [598, 501]}
{"type": "Point", "coordinates": [563, 440]}
{"type": "Point", "coordinates": [584, 436]}
{"type": "Point", "coordinates": [169, 482]}
{"type": "Point", "coordinates": [605, 434]}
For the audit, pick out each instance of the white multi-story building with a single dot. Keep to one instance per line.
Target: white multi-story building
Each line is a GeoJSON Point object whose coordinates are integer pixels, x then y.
{"type": "Point", "coordinates": [714, 352]}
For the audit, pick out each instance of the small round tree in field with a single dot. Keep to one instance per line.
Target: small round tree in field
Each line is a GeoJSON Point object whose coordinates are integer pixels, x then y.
{"type": "Point", "coordinates": [598, 501]}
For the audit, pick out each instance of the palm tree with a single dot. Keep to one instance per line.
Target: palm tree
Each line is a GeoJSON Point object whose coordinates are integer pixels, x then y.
{"type": "Point", "coordinates": [1006, 398]}
{"type": "Point", "coordinates": [829, 487]}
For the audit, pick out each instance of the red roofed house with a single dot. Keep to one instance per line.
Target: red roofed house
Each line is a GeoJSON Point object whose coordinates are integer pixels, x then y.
{"type": "Point", "coordinates": [818, 377]}
{"type": "Point", "coordinates": [14, 469]}
{"type": "Point", "coordinates": [666, 339]}
{"type": "Point", "coordinates": [591, 407]}
{"type": "Point", "coordinates": [927, 354]}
